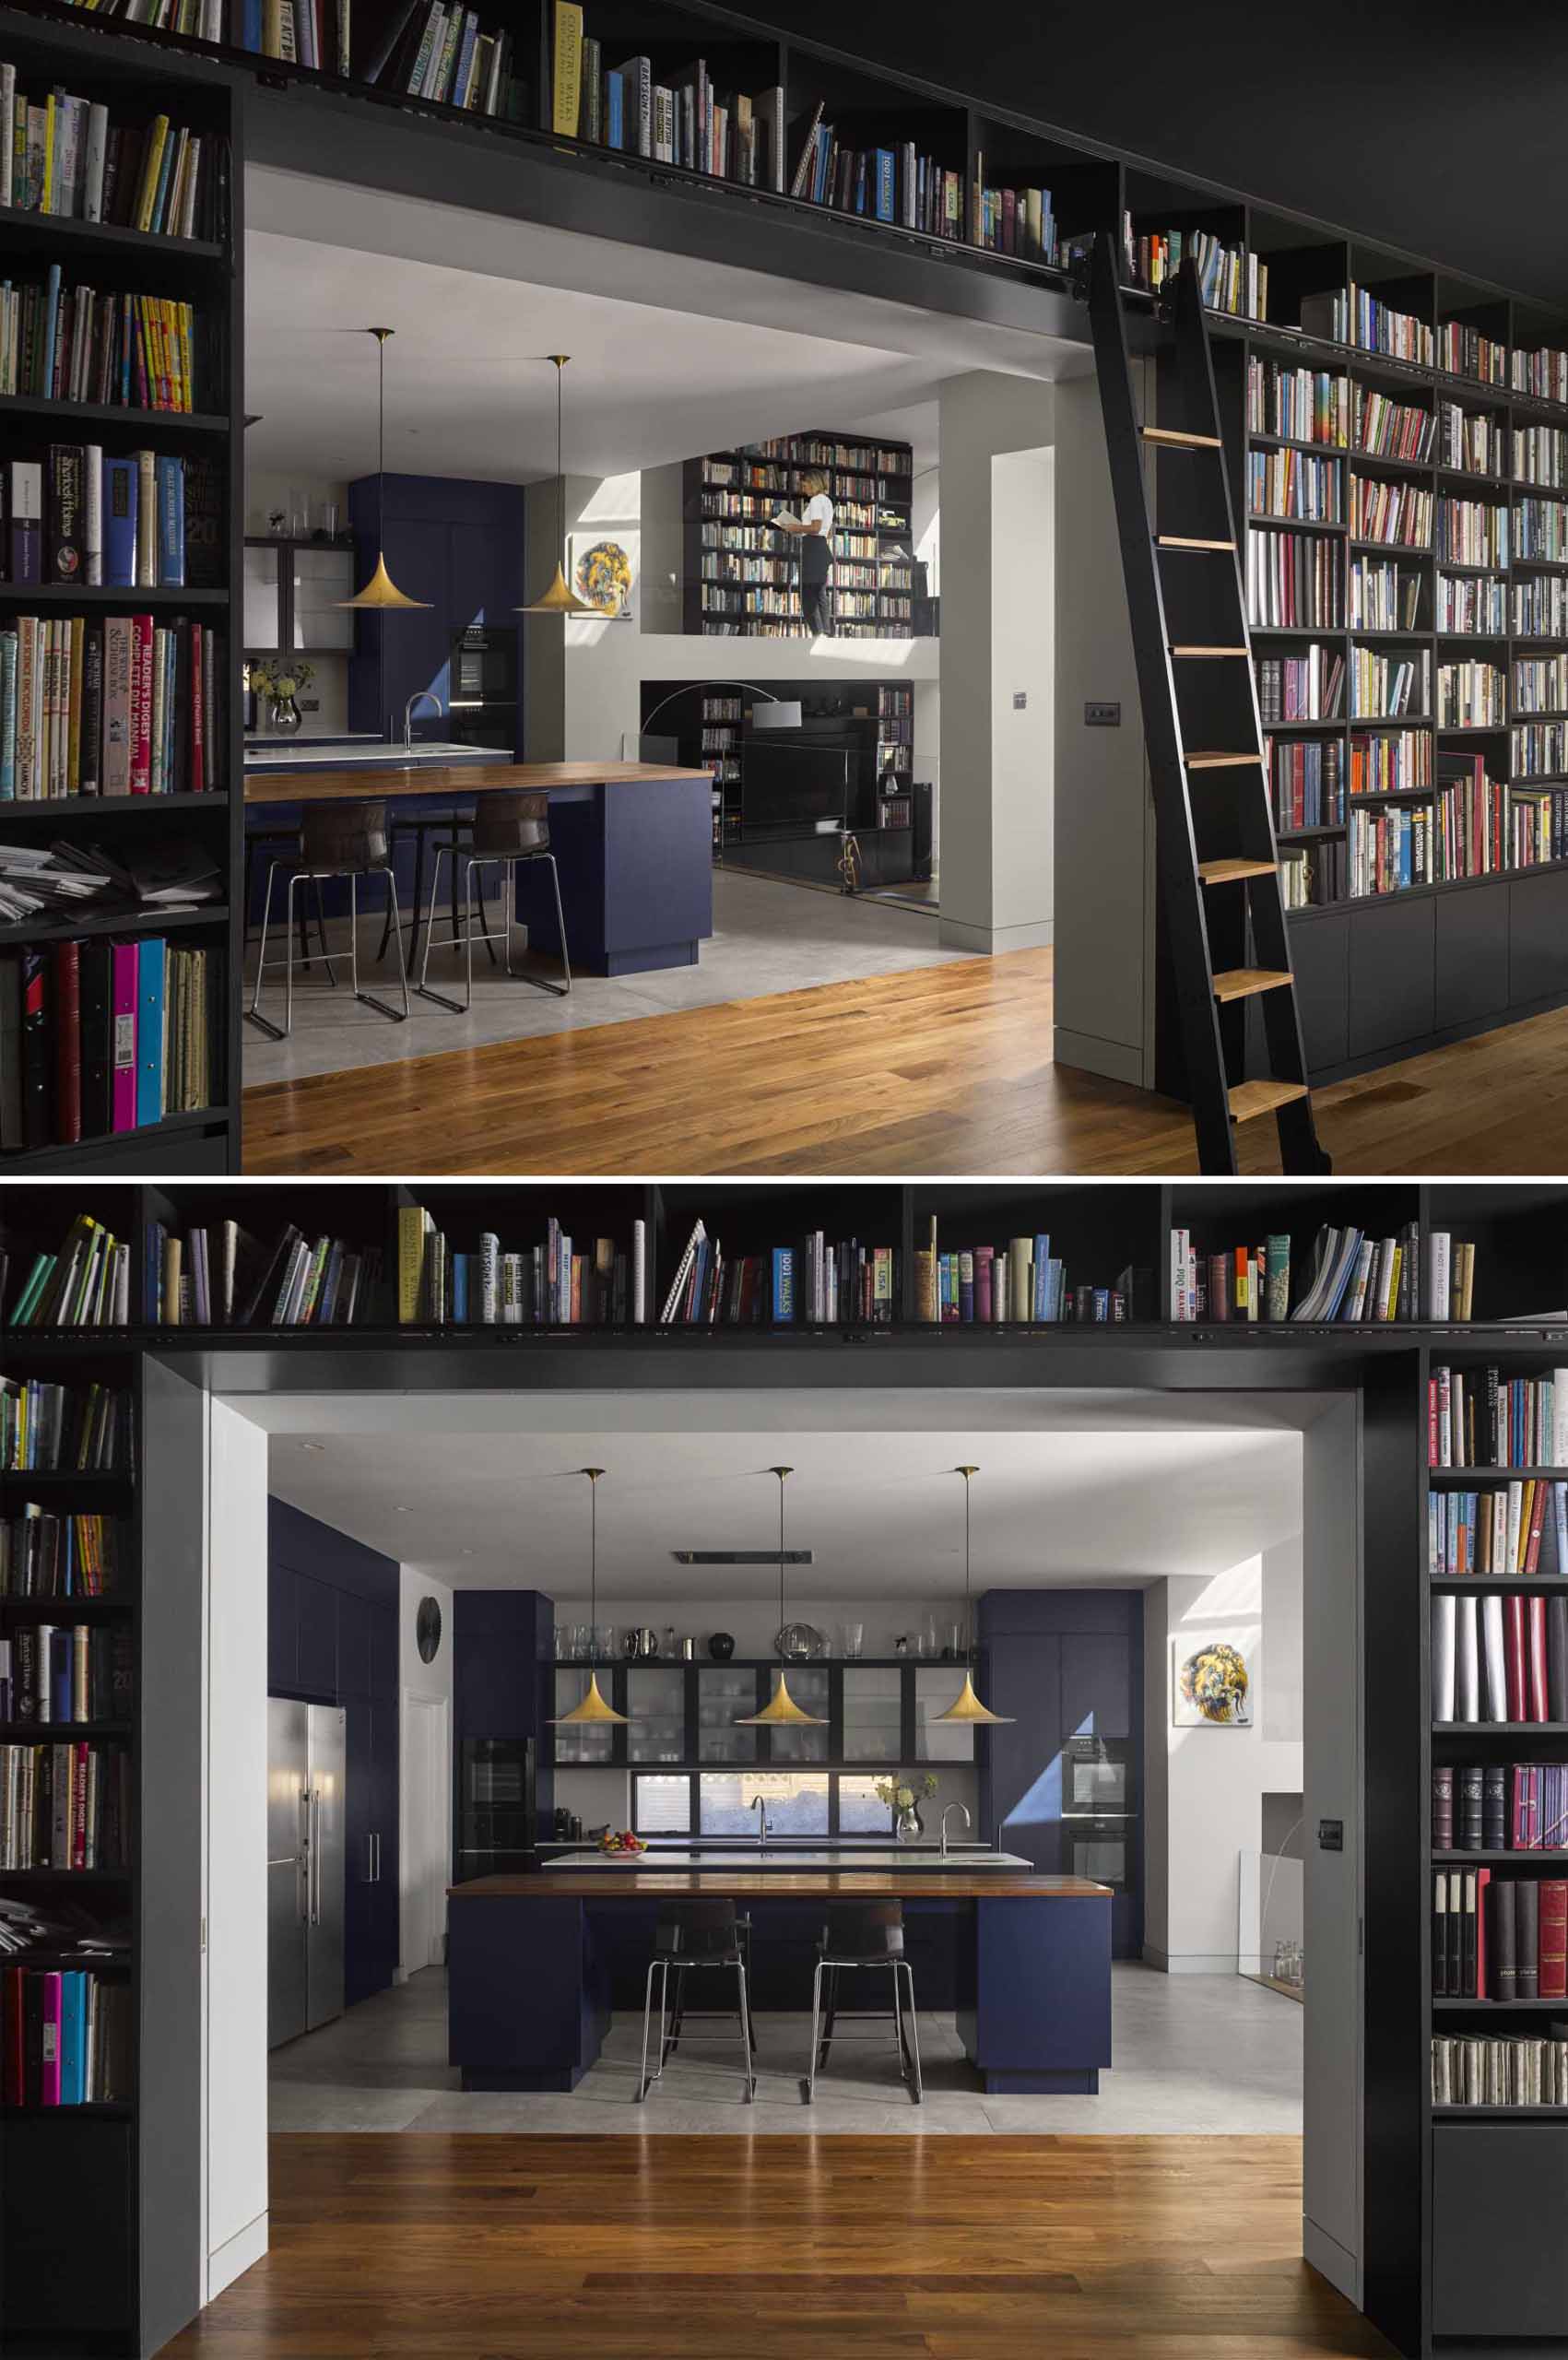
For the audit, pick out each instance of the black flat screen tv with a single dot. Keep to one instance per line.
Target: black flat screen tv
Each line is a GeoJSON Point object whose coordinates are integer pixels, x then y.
{"type": "Point", "coordinates": [787, 785]}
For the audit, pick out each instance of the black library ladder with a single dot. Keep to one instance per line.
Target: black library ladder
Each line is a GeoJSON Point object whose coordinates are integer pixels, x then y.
{"type": "Point", "coordinates": [1218, 863]}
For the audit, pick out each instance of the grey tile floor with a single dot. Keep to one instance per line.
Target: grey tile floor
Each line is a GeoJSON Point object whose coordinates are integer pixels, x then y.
{"type": "Point", "coordinates": [767, 937]}
{"type": "Point", "coordinates": [1206, 2055]}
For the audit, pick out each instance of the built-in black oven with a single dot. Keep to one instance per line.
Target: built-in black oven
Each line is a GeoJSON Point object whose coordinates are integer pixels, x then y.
{"type": "Point", "coordinates": [496, 1821]}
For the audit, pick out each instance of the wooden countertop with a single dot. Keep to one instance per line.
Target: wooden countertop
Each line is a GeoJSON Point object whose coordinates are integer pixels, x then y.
{"type": "Point", "coordinates": [390, 780]}
{"type": "Point", "coordinates": [782, 1884]}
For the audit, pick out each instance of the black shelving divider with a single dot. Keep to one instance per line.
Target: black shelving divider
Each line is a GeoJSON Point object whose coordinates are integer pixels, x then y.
{"type": "Point", "coordinates": [59, 48]}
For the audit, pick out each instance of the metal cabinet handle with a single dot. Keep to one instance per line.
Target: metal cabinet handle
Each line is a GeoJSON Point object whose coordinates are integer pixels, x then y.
{"type": "Point", "coordinates": [378, 1856]}
{"type": "Point", "coordinates": [315, 1859]}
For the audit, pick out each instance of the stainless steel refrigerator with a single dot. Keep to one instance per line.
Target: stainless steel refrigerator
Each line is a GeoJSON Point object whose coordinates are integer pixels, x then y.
{"type": "Point", "coordinates": [305, 1811]}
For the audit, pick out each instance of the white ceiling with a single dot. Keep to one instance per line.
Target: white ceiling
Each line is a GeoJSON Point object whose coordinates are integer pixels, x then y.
{"type": "Point", "coordinates": [484, 1491]}
{"type": "Point", "coordinates": [669, 357]}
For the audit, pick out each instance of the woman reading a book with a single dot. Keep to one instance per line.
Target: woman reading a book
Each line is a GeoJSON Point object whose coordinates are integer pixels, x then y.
{"type": "Point", "coordinates": [813, 528]}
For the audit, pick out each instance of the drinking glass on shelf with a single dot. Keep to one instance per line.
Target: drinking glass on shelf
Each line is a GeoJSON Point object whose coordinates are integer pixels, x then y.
{"type": "Point", "coordinates": [603, 1639]}
{"type": "Point", "coordinates": [952, 1641]}
{"type": "Point", "coordinates": [329, 519]}
{"type": "Point", "coordinates": [300, 515]}
{"type": "Point", "coordinates": [929, 1642]}
{"type": "Point", "coordinates": [853, 1639]}
{"type": "Point", "coordinates": [562, 1636]}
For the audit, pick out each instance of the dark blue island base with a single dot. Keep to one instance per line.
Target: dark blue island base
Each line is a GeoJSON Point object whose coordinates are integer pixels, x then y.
{"type": "Point", "coordinates": [536, 1964]}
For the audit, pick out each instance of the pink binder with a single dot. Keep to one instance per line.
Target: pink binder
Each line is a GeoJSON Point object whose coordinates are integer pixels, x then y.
{"type": "Point", "coordinates": [123, 1081]}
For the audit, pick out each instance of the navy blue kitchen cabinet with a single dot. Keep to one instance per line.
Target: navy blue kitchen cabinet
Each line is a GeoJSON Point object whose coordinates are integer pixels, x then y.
{"type": "Point", "coordinates": [331, 1638]}
{"type": "Point", "coordinates": [502, 1684]}
{"type": "Point", "coordinates": [1063, 1783]}
{"type": "Point", "coordinates": [458, 546]}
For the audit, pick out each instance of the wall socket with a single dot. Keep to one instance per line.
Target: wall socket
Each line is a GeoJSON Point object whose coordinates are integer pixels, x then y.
{"type": "Point", "coordinates": [1102, 717]}
{"type": "Point", "coordinates": [1020, 700]}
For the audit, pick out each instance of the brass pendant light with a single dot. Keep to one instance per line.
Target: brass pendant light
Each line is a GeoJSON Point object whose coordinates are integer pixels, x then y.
{"type": "Point", "coordinates": [968, 1706]}
{"type": "Point", "coordinates": [380, 593]}
{"type": "Point", "coordinates": [781, 1711]}
{"type": "Point", "coordinates": [560, 598]}
{"type": "Point", "coordinates": [594, 1710]}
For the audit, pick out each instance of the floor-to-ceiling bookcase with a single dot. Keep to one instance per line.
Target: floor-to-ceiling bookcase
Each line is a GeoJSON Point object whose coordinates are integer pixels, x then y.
{"type": "Point", "coordinates": [1430, 2284]}
{"type": "Point", "coordinates": [136, 82]}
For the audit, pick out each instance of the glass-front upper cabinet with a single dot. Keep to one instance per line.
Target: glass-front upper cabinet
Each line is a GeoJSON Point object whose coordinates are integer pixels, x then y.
{"type": "Point", "coordinates": [808, 1686]}
{"type": "Point", "coordinates": [263, 601]}
{"type": "Point", "coordinates": [577, 1742]}
{"type": "Point", "coordinates": [323, 579]}
{"type": "Point", "coordinates": [937, 1687]}
{"type": "Point", "coordinates": [724, 1694]}
{"type": "Point", "coordinates": [872, 1713]}
{"type": "Point", "coordinates": [655, 1701]}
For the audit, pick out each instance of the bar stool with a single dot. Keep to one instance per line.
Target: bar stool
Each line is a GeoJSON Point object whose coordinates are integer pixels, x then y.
{"type": "Point", "coordinates": [507, 830]}
{"type": "Point", "coordinates": [677, 2013]}
{"type": "Point", "coordinates": [271, 840]}
{"type": "Point", "coordinates": [868, 1936]}
{"type": "Point", "coordinates": [448, 827]}
{"type": "Point", "coordinates": [701, 1934]}
{"type": "Point", "coordinates": [335, 840]}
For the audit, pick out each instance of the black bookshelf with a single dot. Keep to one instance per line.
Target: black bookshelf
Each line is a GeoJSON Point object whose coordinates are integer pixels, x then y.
{"type": "Point", "coordinates": [740, 580]}
{"type": "Point", "coordinates": [61, 49]}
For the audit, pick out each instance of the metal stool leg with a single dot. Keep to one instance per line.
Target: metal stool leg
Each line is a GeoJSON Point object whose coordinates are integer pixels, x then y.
{"type": "Point", "coordinates": [678, 2016]}
{"type": "Point", "coordinates": [750, 2068]}
{"type": "Point", "coordinates": [902, 1967]}
{"type": "Point", "coordinates": [656, 1967]}
{"type": "Point", "coordinates": [369, 998]}
{"type": "Point", "coordinates": [424, 988]}
{"type": "Point", "coordinates": [540, 982]}
{"type": "Point", "coordinates": [321, 930]}
{"type": "Point", "coordinates": [816, 2017]}
{"type": "Point", "coordinates": [253, 1014]}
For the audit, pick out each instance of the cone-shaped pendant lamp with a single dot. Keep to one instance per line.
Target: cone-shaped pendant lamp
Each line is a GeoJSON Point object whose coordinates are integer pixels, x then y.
{"type": "Point", "coordinates": [560, 598]}
{"type": "Point", "coordinates": [968, 1706]}
{"type": "Point", "coordinates": [380, 592]}
{"type": "Point", "coordinates": [781, 1711]}
{"type": "Point", "coordinates": [592, 1708]}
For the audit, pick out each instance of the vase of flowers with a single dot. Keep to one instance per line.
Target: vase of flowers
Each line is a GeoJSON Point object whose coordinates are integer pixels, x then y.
{"type": "Point", "coordinates": [903, 1795]}
{"type": "Point", "coordinates": [280, 684]}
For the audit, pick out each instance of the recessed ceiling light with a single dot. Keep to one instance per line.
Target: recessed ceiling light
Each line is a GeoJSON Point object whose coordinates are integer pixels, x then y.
{"type": "Point", "coordinates": [313, 1445]}
{"type": "Point", "coordinates": [399, 1511]}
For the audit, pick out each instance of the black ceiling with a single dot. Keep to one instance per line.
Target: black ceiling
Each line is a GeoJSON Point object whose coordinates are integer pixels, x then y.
{"type": "Point", "coordinates": [1437, 128]}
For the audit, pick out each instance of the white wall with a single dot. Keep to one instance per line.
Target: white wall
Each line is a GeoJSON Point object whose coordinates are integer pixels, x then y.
{"type": "Point", "coordinates": [235, 2081]}
{"type": "Point", "coordinates": [417, 1679]}
{"type": "Point", "coordinates": [995, 893]}
{"type": "Point", "coordinates": [1214, 1778]}
{"type": "Point", "coordinates": [1023, 624]}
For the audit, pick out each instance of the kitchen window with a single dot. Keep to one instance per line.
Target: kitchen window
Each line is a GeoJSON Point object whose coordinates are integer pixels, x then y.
{"type": "Point", "coordinates": [800, 1803]}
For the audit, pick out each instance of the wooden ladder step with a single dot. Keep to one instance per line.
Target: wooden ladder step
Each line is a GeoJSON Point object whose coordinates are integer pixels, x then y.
{"type": "Point", "coordinates": [1174, 440]}
{"type": "Point", "coordinates": [1181, 541]}
{"type": "Point", "coordinates": [1222, 761]}
{"type": "Point", "coordinates": [1207, 651]}
{"type": "Point", "coordinates": [1241, 982]}
{"type": "Point", "coordinates": [1230, 872]}
{"type": "Point", "coordinates": [1251, 1098]}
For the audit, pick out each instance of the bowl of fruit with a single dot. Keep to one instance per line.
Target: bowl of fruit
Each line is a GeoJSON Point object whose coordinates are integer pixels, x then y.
{"type": "Point", "coordinates": [623, 1842]}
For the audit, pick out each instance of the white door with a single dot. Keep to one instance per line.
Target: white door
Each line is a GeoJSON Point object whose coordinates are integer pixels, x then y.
{"type": "Point", "coordinates": [426, 1824]}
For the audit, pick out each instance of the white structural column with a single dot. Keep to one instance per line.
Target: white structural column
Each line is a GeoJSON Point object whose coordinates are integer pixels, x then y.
{"type": "Point", "coordinates": [999, 606]}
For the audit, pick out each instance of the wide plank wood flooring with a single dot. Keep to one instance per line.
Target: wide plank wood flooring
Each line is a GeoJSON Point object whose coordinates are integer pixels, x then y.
{"type": "Point", "coordinates": [944, 1069]}
{"type": "Point", "coordinates": [780, 2249]}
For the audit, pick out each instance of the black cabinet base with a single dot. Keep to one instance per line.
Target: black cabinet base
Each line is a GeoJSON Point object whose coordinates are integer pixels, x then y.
{"type": "Point", "coordinates": [564, 2082]}
{"type": "Point", "coordinates": [1442, 1038]}
{"type": "Point", "coordinates": [1085, 2084]}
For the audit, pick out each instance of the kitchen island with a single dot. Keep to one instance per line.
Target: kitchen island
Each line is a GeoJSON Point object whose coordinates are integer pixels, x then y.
{"type": "Point", "coordinates": [634, 841]}
{"type": "Point", "coordinates": [537, 1963]}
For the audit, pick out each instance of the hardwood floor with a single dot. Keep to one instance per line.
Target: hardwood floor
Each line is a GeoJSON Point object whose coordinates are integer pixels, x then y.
{"type": "Point", "coordinates": [781, 2247]}
{"type": "Point", "coordinates": [945, 1069]}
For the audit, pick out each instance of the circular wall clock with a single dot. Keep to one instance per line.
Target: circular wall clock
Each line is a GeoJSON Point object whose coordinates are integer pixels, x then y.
{"type": "Point", "coordinates": [426, 1630]}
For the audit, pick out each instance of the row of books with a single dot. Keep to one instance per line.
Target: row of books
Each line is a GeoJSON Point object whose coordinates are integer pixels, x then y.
{"type": "Point", "coordinates": [1016, 222]}
{"type": "Point", "coordinates": [1498, 1531]}
{"type": "Point", "coordinates": [47, 1428]}
{"type": "Point", "coordinates": [119, 705]}
{"type": "Point", "coordinates": [676, 119]}
{"type": "Point", "coordinates": [551, 1284]}
{"type": "Point", "coordinates": [1480, 1417]}
{"type": "Point", "coordinates": [62, 343]}
{"type": "Point", "coordinates": [1508, 2069]}
{"type": "Point", "coordinates": [1538, 827]}
{"type": "Point", "coordinates": [1539, 750]}
{"type": "Point", "coordinates": [46, 1555]}
{"type": "Point", "coordinates": [1499, 1657]}
{"type": "Point", "coordinates": [1541, 683]}
{"type": "Point", "coordinates": [1301, 688]}
{"type": "Point", "coordinates": [295, 1282]}
{"type": "Point", "coordinates": [62, 155]}
{"type": "Point", "coordinates": [86, 1284]}
{"type": "Point", "coordinates": [1311, 880]}
{"type": "Point", "coordinates": [1389, 429]}
{"type": "Point", "coordinates": [1298, 405]}
{"type": "Point", "coordinates": [1399, 514]}
{"type": "Point", "coordinates": [895, 185]}
{"type": "Point", "coordinates": [1294, 581]}
{"type": "Point", "coordinates": [306, 32]}
{"type": "Point", "coordinates": [1470, 602]}
{"type": "Point", "coordinates": [64, 1805]}
{"type": "Point", "coordinates": [1498, 1938]}
{"type": "Point", "coordinates": [1231, 278]}
{"type": "Point", "coordinates": [818, 1282]}
{"type": "Point", "coordinates": [79, 1672]}
{"type": "Point", "coordinates": [1470, 822]}
{"type": "Point", "coordinates": [100, 1035]}
{"type": "Point", "coordinates": [1541, 529]}
{"type": "Point", "coordinates": [1543, 373]}
{"type": "Point", "coordinates": [1391, 682]}
{"type": "Point", "coordinates": [1352, 1277]}
{"type": "Point", "coordinates": [1540, 455]}
{"type": "Point", "coordinates": [432, 49]}
{"type": "Point", "coordinates": [1472, 694]}
{"type": "Point", "coordinates": [1500, 1807]}
{"type": "Point", "coordinates": [1295, 484]}
{"type": "Point", "coordinates": [1388, 852]}
{"type": "Point", "coordinates": [1384, 594]}
{"type": "Point", "coordinates": [1464, 351]}
{"type": "Point", "coordinates": [1470, 441]}
{"type": "Point", "coordinates": [1021, 1282]}
{"type": "Point", "coordinates": [66, 2037]}
{"type": "Point", "coordinates": [1308, 778]}
{"type": "Point", "coordinates": [1350, 316]}
{"type": "Point", "coordinates": [1472, 532]}
{"type": "Point", "coordinates": [79, 515]}
{"type": "Point", "coordinates": [1390, 761]}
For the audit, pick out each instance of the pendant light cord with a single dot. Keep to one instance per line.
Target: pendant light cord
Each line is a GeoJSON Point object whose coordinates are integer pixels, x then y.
{"type": "Point", "coordinates": [560, 473]}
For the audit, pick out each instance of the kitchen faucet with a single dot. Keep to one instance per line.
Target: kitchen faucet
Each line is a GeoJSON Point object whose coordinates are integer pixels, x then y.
{"type": "Point", "coordinates": [967, 1821]}
{"type": "Point", "coordinates": [760, 1808]}
{"type": "Point", "coordinates": [430, 698]}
